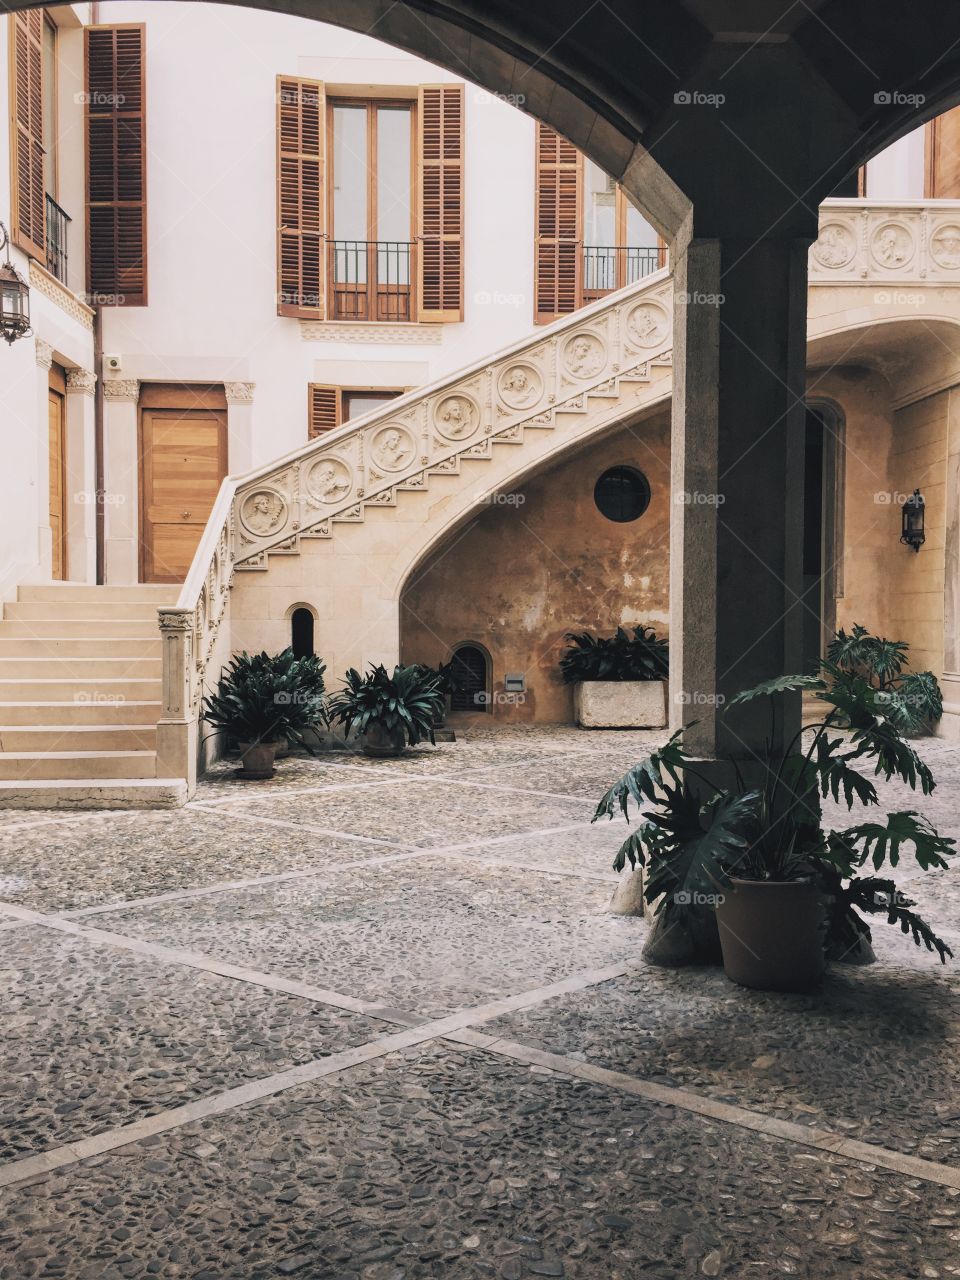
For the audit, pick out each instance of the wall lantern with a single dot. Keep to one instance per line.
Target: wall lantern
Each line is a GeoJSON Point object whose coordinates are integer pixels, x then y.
{"type": "Point", "coordinates": [14, 296]}
{"type": "Point", "coordinates": [913, 509]}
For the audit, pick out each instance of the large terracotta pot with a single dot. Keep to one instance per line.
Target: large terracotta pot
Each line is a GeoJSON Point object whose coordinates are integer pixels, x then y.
{"type": "Point", "coordinates": [257, 759]}
{"type": "Point", "coordinates": [378, 742]}
{"type": "Point", "coordinates": [772, 934]}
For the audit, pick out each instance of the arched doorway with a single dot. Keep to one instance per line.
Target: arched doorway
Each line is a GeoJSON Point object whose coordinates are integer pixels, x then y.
{"type": "Point", "coordinates": [301, 632]}
{"type": "Point", "coordinates": [471, 667]}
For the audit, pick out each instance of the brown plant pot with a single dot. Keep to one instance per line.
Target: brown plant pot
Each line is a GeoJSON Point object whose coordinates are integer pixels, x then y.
{"type": "Point", "coordinates": [772, 934]}
{"type": "Point", "coordinates": [378, 742]}
{"type": "Point", "coordinates": [257, 759]}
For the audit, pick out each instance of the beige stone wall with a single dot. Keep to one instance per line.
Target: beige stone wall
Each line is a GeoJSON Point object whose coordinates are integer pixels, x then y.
{"type": "Point", "coordinates": [518, 577]}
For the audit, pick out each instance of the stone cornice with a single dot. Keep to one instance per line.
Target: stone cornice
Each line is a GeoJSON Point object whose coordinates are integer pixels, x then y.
{"type": "Point", "coordinates": [417, 335]}
{"type": "Point", "coordinates": [50, 287]}
{"type": "Point", "coordinates": [81, 381]}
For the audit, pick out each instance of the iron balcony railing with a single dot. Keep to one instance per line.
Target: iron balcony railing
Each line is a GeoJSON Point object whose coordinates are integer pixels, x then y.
{"type": "Point", "coordinates": [57, 220]}
{"type": "Point", "coordinates": [371, 279]}
{"type": "Point", "coordinates": [609, 267]}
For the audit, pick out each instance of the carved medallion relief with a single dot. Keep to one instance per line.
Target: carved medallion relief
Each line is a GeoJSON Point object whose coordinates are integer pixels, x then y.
{"type": "Point", "coordinates": [263, 512]}
{"type": "Point", "coordinates": [456, 417]}
{"type": "Point", "coordinates": [584, 355]}
{"type": "Point", "coordinates": [647, 325]}
{"type": "Point", "coordinates": [392, 448]}
{"type": "Point", "coordinates": [520, 386]}
{"type": "Point", "coordinates": [835, 247]}
{"type": "Point", "coordinates": [329, 480]}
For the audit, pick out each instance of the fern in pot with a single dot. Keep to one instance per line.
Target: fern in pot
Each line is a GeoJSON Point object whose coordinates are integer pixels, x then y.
{"type": "Point", "coordinates": [788, 893]}
{"type": "Point", "coordinates": [389, 711]}
{"type": "Point", "coordinates": [619, 681]}
{"type": "Point", "coordinates": [266, 701]}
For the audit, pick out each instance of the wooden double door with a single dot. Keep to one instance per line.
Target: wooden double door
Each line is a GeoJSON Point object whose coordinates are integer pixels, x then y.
{"type": "Point", "coordinates": [183, 459]}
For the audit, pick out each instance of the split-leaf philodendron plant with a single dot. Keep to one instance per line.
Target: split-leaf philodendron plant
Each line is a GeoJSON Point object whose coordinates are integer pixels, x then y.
{"type": "Point", "coordinates": [694, 835]}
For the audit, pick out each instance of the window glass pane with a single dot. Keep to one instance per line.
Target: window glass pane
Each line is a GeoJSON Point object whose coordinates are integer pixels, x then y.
{"type": "Point", "coordinates": [394, 200]}
{"type": "Point", "coordinates": [640, 234]}
{"type": "Point", "coordinates": [350, 173]}
{"type": "Point", "coordinates": [50, 108]}
{"type": "Point", "coordinates": [356, 403]}
{"type": "Point", "coordinates": [599, 206]}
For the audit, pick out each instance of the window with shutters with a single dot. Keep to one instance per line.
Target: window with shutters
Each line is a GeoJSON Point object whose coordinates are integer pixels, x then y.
{"type": "Point", "coordinates": [300, 211]}
{"type": "Point", "coordinates": [115, 128]}
{"type": "Point", "coordinates": [589, 238]}
{"type": "Point", "coordinates": [942, 157]}
{"type": "Point", "coordinates": [28, 132]}
{"type": "Point", "coordinates": [329, 406]}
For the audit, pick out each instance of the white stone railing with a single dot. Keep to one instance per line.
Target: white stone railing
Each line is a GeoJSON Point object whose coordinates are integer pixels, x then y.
{"type": "Point", "coordinates": [873, 242]}
{"type": "Point", "coordinates": [395, 447]}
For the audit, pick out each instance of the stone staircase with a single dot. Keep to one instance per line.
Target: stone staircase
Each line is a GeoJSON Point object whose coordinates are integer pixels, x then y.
{"type": "Point", "coordinates": [80, 696]}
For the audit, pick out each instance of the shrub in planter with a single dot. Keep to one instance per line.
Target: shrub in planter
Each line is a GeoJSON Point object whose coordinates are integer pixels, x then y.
{"type": "Point", "coordinates": [619, 681]}
{"type": "Point", "coordinates": [916, 703]}
{"type": "Point", "coordinates": [389, 711]}
{"type": "Point", "coordinates": [450, 680]}
{"type": "Point", "coordinates": [787, 891]}
{"type": "Point", "coordinates": [264, 701]}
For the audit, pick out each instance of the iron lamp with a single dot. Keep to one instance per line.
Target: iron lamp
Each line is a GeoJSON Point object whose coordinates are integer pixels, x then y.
{"type": "Point", "coordinates": [14, 296]}
{"type": "Point", "coordinates": [912, 534]}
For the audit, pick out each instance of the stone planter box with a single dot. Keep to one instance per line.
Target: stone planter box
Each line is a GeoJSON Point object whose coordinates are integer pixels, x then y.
{"type": "Point", "coordinates": [621, 704]}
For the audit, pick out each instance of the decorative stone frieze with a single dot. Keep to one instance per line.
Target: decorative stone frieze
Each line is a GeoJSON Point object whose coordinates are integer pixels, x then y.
{"type": "Point", "coordinates": [64, 298]}
{"type": "Point", "coordinates": [239, 392]}
{"type": "Point", "coordinates": [417, 335]}
{"type": "Point", "coordinates": [880, 244]}
{"type": "Point", "coordinates": [44, 353]}
{"type": "Point", "coordinates": [81, 382]}
{"type": "Point", "coordinates": [121, 388]}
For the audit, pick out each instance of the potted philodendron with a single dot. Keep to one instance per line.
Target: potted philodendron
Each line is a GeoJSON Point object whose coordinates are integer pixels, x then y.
{"type": "Point", "coordinates": [619, 681]}
{"type": "Point", "coordinates": [389, 711]}
{"type": "Point", "coordinates": [787, 892]}
{"type": "Point", "coordinates": [914, 697]}
{"type": "Point", "coordinates": [266, 701]}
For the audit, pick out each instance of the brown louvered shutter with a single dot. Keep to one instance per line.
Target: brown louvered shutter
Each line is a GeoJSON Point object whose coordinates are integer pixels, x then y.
{"type": "Point", "coordinates": [557, 272]}
{"type": "Point", "coordinates": [324, 409]}
{"type": "Point", "coordinates": [300, 201]}
{"type": "Point", "coordinates": [440, 231]}
{"type": "Point", "coordinates": [116, 165]}
{"type": "Point", "coordinates": [29, 203]}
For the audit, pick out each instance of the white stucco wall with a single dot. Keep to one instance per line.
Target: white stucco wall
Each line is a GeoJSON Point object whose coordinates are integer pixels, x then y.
{"type": "Point", "coordinates": [898, 172]}
{"type": "Point", "coordinates": [211, 183]}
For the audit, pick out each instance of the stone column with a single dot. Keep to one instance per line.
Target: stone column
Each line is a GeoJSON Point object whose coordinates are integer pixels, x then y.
{"type": "Point", "coordinates": [81, 504]}
{"type": "Point", "coordinates": [738, 429]}
{"type": "Point", "coordinates": [44, 354]}
{"type": "Point", "coordinates": [239, 426]}
{"type": "Point", "coordinates": [121, 448]}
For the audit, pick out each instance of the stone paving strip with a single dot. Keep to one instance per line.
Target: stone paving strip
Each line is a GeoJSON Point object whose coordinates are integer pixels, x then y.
{"type": "Point", "coordinates": [454, 1027]}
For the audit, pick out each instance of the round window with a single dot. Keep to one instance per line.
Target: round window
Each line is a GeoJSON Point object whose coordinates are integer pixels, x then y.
{"type": "Point", "coordinates": [622, 494]}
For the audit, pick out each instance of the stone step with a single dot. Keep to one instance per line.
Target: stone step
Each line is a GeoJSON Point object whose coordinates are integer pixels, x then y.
{"type": "Point", "coordinates": [80, 628]}
{"type": "Point", "coordinates": [80, 670]}
{"type": "Point", "coordinates": [117, 711]}
{"type": "Point", "coordinates": [27, 765]}
{"type": "Point", "coordinates": [143, 592]}
{"type": "Point", "coordinates": [78, 646]}
{"type": "Point", "coordinates": [81, 610]}
{"type": "Point", "coordinates": [78, 737]}
{"type": "Point", "coordinates": [94, 793]}
{"type": "Point", "coordinates": [69, 689]}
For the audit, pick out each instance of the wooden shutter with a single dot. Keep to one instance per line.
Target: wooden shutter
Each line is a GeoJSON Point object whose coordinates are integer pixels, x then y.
{"type": "Point", "coordinates": [324, 409]}
{"type": "Point", "coordinates": [440, 204]}
{"type": "Point", "coordinates": [557, 249]}
{"type": "Point", "coordinates": [943, 157]}
{"type": "Point", "coordinates": [300, 202]}
{"type": "Point", "coordinates": [27, 186]}
{"type": "Point", "coordinates": [116, 164]}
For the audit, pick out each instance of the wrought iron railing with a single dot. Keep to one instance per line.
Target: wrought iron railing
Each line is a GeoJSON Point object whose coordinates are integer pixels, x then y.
{"type": "Point", "coordinates": [371, 279]}
{"type": "Point", "coordinates": [57, 220]}
{"type": "Point", "coordinates": [613, 266]}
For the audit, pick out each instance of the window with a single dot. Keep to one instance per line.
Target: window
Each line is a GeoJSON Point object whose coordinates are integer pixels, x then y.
{"type": "Point", "coordinates": [470, 668]}
{"type": "Point", "coordinates": [329, 406]}
{"type": "Point", "coordinates": [589, 237]}
{"type": "Point", "coordinates": [371, 210]}
{"type": "Point", "coordinates": [622, 494]}
{"type": "Point", "coordinates": [301, 633]}
{"type": "Point", "coordinates": [370, 204]}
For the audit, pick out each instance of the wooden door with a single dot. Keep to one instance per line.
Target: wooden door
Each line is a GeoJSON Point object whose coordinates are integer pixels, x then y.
{"type": "Point", "coordinates": [183, 460]}
{"type": "Point", "coordinates": [943, 157]}
{"type": "Point", "coordinates": [58, 521]}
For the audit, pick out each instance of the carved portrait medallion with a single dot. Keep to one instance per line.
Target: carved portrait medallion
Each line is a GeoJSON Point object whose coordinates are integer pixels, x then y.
{"type": "Point", "coordinates": [584, 355]}
{"type": "Point", "coordinates": [520, 386]}
{"type": "Point", "coordinates": [456, 417]}
{"type": "Point", "coordinates": [647, 325]}
{"type": "Point", "coordinates": [263, 512]}
{"type": "Point", "coordinates": [892, 245]}
{"type": "Point", "coordinates": [945, 246]}
{"type": "Point", "coordinates": [392, 448]}
{"type": "Point", "coordinates": [329, 480]}
{"type": "Point", "coordinates": [835, 246]}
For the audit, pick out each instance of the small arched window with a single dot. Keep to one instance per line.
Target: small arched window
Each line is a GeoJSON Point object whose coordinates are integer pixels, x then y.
{"type": "Point", "coordinates": [470, 668]}
{"type": "Point", "coordinates": [301, 633]}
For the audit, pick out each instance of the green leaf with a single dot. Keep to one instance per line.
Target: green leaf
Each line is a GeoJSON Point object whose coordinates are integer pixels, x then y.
{"type": "Point", "coordinates": [882, 842]}
{"type": "Point", "coordinates": [782, 684]}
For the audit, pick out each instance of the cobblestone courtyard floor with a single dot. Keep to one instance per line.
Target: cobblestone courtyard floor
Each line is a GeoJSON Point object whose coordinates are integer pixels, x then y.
{"type": "Point", "coordinates": [373, 1021]}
